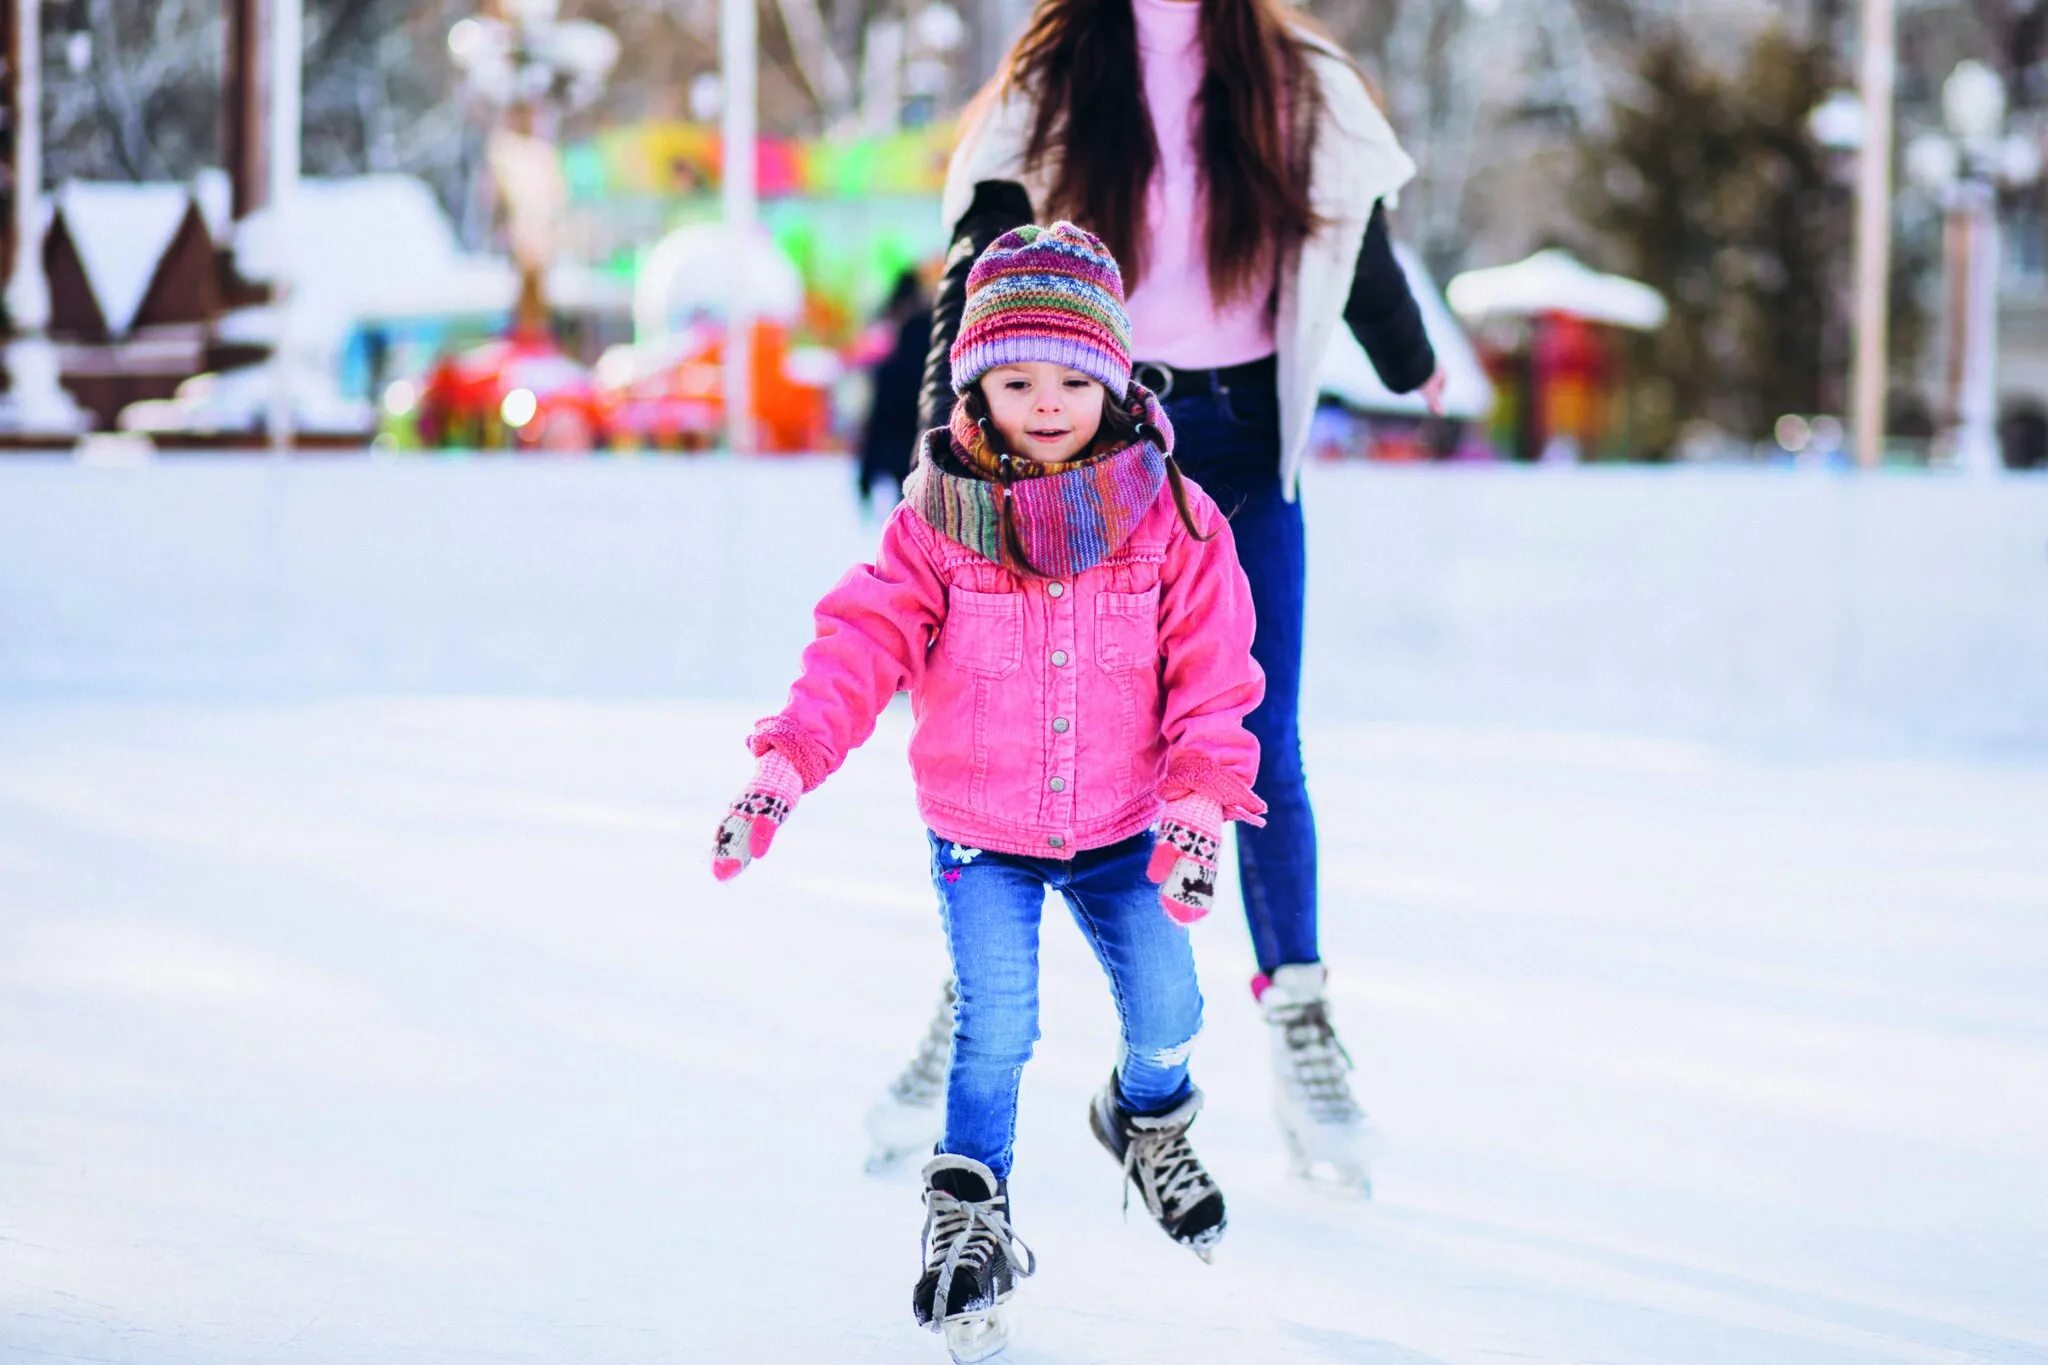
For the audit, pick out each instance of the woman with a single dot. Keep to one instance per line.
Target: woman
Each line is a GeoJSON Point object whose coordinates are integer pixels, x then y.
{"type": "Point", "coordinates": [1232, 158]}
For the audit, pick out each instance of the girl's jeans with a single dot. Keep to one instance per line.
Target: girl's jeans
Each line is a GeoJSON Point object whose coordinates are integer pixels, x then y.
{"type": "Point", "coordinates": [991, 903]}
{"type": "Point", "coordinates": [1230, 444]}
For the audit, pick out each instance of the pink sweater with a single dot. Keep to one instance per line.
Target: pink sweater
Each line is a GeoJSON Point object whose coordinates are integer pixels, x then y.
{"type": "Point", "coordinates": [1174, 318]}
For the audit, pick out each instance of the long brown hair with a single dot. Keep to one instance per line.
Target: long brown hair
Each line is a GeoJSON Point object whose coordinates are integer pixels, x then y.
{"type": "Point", "coordinates": [1121, 425]}
{"type": "Point", "coordinates": [1078, 61]}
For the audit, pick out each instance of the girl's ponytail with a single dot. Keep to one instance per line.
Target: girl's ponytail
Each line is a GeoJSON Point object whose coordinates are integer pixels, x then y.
{"type": "Point", "coordinates": [1180, 500]}
{"type": "Point", "coordinates": [1174, 480]}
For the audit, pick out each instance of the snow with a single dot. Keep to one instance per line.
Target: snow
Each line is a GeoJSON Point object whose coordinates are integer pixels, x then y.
{"type": "Point", "coordinates": [1759, 607]}
{"type": "Point", "coordinates": [379, 1007]}
{"type": "Point", "coordinates": [1468, 393]}
{"type": "Point", "coordinates": [122, 232]}
{"type": "Point", "coordinates": [378, 247]}
{"type": "Point", "coordinates": [1555, 281]}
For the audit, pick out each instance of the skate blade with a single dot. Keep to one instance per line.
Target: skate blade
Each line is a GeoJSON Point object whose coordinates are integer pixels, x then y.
{"type": "Point", "coordinates": [978, 1336]}
{"type": "Point", "coordinates": [886, 1160]}
{"type": "Point", "coordinates": [1334, 1177]}
{"type": "Point", "coordinates": [1347, 1175]}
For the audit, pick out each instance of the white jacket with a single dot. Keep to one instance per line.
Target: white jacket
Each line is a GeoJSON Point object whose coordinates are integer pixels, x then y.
{"type": "Point", "coordinates": [1357, 162]}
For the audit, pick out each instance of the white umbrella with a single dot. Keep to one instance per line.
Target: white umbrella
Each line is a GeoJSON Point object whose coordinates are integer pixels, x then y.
{"type": "Point", "coordinates": [1557, 282]}
{"type": "Point", "coordinates": [699, 268]}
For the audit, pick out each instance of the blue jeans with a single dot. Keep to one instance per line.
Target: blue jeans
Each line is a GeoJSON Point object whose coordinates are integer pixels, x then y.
{"type": "Point", "coordinates": [1230, 444]}
{"type": "Point", "coordinates": [991, 903]}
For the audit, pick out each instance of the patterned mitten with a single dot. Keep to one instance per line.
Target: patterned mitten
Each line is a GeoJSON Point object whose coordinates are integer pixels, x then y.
{"type": "Point", "coordinates": [751, 821]}
{"type": "Point", "coordinates": [1184, 860]}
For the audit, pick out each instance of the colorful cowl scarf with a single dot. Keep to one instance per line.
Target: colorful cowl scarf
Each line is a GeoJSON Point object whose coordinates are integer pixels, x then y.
{"type": "Point", "coordinates": [1070, 517]}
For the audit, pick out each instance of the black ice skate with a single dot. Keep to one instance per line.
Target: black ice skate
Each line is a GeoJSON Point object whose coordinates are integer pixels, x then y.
{"type": "Point", "coordinates": [1158, 1160]}
{"type": "Point", "coordinates": [972, 1260]}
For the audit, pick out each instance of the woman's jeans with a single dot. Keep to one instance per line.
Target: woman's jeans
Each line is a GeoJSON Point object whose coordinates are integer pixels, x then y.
{"type": "Point", "coordinates": [1230, 444]}
{"type": "Point", "coordinates": [991, 903]}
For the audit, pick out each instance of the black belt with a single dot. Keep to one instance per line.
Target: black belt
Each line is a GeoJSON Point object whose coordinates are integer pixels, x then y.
{"type": "Point", "coordinates": [1165, 379]}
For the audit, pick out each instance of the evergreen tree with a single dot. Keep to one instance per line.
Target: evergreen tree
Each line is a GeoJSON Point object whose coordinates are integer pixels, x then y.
{"type": "Point", "coordinates": [1710, 188]}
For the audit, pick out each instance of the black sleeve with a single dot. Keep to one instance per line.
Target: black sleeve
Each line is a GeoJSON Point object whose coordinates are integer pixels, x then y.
{"type": "Point", "coordinates": [998, 206]}
{"type": "Point", "coordinates": [1383, 314]}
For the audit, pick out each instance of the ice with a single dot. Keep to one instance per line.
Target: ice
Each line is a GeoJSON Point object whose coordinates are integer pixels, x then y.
{"type": "Point", "coordinates": [365, 1023]}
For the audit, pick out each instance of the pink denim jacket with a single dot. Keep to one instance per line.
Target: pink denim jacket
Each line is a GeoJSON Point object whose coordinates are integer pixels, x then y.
{"type": "Point", "coordinates": [1051, 715]}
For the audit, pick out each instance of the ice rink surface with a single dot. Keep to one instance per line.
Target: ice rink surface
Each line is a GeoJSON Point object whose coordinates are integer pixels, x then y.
{"type": "Point", "coordinates": [393, 1031]}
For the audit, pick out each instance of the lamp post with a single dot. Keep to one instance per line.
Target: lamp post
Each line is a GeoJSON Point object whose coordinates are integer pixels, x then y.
{"type": "Point", "coordinates": [528, 66]}
{"type": "Point", "coordinates": [1873, 231]}
{"type": "Point", "coordinates": [738, 66]}
{"type": "Point", "coordinates": [36, 404]}
{"type": "Point", "coordinates": [1966, 165]}
{"type": "Point", "coordinates": [1836, 126]}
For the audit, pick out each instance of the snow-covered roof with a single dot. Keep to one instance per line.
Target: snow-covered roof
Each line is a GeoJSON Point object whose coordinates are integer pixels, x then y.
{"type": "Point", "coordinates": [1556, 281]}
{"type": "Point", "coordinates": [122, 231]}
{"type": "Point", "coordinates": [1468, 393]}
{"type": "Point", "coordinates": [379, 246]}
{"type": "Point", "coordinates": [215, 193]}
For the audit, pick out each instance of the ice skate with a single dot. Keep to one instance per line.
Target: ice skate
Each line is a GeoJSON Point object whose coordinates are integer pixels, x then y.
{"type": "Point", "coordinates": [1329, 1141]}
{"type": "Point", "coordinates": [908, 1119]}
{"type": "Point", "coordinates": [1158, 1160]}
{"type": "Point", "coordinates": [972, 1260]}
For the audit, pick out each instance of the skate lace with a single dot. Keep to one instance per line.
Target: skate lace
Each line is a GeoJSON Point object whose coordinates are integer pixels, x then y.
{"type": "Point", "coordinates": [971, 1233]}
{"type": "Point", "coordinates": [924, 1076]}
{"type": "Point", "coordinates": [1166, 1170]}
{"type": "Point", "coordinates": [1317, 1062]}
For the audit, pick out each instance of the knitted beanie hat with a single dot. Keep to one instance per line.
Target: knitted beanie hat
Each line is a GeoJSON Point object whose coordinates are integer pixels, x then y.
{"type": "Point", "coordinates": [1045, 293]}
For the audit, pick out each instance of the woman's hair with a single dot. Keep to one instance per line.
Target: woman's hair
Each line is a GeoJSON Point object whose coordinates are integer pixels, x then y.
{"type": "Point", "coordinates": [1120, 426]}
{"type": "Point", "coordinates": [1078, 62]}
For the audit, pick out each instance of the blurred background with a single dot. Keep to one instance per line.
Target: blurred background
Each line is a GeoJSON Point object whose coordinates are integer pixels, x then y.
{"type": "Point", "coordinates": [429, 423]}
{"type": "Point", "coordinates": [446, 226]}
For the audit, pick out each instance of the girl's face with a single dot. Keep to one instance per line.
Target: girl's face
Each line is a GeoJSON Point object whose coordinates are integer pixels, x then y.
{"type": "Point", "coordinates": [1043, 411]}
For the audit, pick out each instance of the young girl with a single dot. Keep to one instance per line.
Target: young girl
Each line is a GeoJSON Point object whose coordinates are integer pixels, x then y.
{"type": "Point", "coordinates": [1233, 160]}
{"type": "Point", "coordinates": [1070, 619]}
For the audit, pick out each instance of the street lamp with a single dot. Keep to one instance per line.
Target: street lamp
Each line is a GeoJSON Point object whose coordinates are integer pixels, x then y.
{"type": "Point", "coordinates": [36, 404]}
{"type": "Point", "coordinates": [1966, 166]}
{"type": "Point", "coordinates": [1836, 127]}
{"type": "Point", "coordinates": [530, 66]}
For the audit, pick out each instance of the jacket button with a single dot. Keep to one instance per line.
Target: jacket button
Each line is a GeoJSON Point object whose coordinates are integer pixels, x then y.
{"type": "Point", "coordinates": [1059, 725]}
{"type": "Point", "coordinates": [1057, 842]}
{"type": "Point", "coordinates": [1055, 590]}
{"type": "Point", "coordinates": [1059, 658]}
{"type": "Point", "coordinates": [1058, 784]}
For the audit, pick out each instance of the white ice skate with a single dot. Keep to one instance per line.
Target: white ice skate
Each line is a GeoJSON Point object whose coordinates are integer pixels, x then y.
{"type": "Point", "coordinates": [907, 1121]}
{"type": "Point", "coordinates": [1329, 1142]}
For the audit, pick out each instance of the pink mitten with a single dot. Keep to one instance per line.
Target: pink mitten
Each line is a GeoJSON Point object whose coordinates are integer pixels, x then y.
{"type": "Point", "coordinates": [1184, 861]}
{"type": "Point", "coordinates": [751, 821]}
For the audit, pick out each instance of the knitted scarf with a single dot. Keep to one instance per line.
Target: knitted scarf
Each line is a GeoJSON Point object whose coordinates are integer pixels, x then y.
{"type": "Point", "coordinates": [1070, 517]}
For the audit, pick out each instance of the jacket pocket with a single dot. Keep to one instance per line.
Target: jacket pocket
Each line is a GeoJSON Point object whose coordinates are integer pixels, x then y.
{"type": "Point", "coordinates": [1127, 629]}
{"type": "Point", "coordinates": [984, 632]}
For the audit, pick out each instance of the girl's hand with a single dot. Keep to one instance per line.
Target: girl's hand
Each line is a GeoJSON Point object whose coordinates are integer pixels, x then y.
{"type": "Point", "coordinates": [1184, 862]}
{"type": "Point", "coordinates": [751, 821]}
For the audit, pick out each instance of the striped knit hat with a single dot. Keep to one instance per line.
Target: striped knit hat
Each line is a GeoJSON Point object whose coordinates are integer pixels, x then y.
{"type": "Point", "coordinates": [1050, 294]}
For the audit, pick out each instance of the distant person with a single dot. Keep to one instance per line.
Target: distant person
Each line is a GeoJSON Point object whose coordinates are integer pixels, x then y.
{"type": "Point", "coordinates": [1234, 161]}
{"type": "Point", "coordinates": [1068, 615]}
{"type": "Point", "coordinates": [889, 439]}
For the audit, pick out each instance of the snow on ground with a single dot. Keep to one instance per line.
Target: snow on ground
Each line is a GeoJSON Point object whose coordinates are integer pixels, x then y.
{"type": "Point", "coordinates": [415, 1030]}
